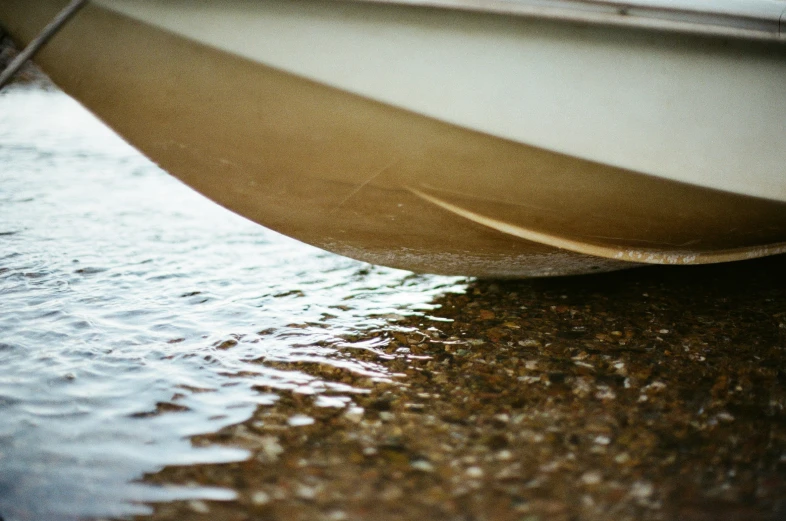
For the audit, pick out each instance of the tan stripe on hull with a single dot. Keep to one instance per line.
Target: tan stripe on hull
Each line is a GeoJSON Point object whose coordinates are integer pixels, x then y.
{"type": "Point", "coordinates": [706, 111]}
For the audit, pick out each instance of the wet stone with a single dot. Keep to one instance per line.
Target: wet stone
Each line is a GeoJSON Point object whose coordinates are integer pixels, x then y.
{"type": "Point", "coordinates": [653, 394]}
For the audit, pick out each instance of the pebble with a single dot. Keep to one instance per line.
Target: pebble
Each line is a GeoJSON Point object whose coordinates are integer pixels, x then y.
{"type": "Point", "coordinates": [354, 414]}
{"type": "Point", "coordinates": [642, 490]}
{"type": "Point", "coordinates": [504, 455]}
{"type": "Point", "coordinates": [387, 416]}
{"type": "Point", "coordinates": [622, 458]}
{"type": "Point", "coordinates": [300, 420]}
{"type": "Point", "coordinates": [422, 465]}
{"type": "Point", "coordinates": [260, 498]}
{"type": "Point", "coordinates": [200, 507]}
{"type": "Point", "coordinates": [592, 477]}
{"type": "Point", "coordinates": [306, 492]}
{"type": "Point", "coordinates": [474, 472]}
{"type": "Point", "coordinates": [271, 447]}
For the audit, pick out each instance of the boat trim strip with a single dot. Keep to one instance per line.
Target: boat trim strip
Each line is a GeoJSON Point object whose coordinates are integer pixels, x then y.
{"type": "Point", "coordinates": [638, 255]}
{"type": "Point", "coordinates": [752, 20]}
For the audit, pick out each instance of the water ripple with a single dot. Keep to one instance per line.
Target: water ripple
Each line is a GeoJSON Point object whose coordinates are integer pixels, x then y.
{"type": "Point", "coordinates": [135, 314]}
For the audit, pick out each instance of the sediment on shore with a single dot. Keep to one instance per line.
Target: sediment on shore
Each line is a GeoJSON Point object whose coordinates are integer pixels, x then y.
{"type": "Point", "coordinates": [651, 394]}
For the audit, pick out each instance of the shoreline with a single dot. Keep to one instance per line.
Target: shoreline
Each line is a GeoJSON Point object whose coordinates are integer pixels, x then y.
{"type": "Point", "coordinates": [654, 393]}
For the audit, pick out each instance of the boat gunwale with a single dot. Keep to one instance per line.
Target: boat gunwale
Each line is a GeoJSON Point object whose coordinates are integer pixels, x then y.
{"type": "Point", "coordinates": [610, 13]}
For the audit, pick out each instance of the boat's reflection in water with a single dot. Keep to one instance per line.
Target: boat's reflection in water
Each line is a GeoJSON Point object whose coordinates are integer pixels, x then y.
{"type": "Point", "coordinates": [134, 314]}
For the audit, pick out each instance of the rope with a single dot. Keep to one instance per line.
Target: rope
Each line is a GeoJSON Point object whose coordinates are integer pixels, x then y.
{"type": "Point", "coordinates": [44, 36]}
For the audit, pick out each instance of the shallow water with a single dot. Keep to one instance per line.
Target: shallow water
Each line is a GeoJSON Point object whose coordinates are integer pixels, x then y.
{"type": "Point", "coordinates": [120, 293]}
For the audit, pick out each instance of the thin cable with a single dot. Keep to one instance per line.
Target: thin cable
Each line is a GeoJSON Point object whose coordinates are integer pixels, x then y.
{"type": "Point", "coordinates": [44, 36]}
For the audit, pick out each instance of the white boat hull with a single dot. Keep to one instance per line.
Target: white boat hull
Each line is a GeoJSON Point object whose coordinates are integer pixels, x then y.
{"type": "Point", "coordinates": [691, 110]}
{"type": "Point", "coordinates": [441, 140]}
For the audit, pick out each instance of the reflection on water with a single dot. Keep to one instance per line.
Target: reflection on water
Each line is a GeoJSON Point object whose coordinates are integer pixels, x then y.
{"type": "Point", "coordinates": [134, 314]}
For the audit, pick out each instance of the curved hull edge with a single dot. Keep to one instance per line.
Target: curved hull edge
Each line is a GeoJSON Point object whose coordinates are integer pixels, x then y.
{"type": "Point", "coordinates": [375, 182]}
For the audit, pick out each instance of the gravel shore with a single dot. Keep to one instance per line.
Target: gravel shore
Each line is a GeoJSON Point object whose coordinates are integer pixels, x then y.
{"type": "Point", "coordinates": [656, 393]}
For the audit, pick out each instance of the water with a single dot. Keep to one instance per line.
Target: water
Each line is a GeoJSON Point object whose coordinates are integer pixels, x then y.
{"type": "Point", "coordinates": [134, 313]}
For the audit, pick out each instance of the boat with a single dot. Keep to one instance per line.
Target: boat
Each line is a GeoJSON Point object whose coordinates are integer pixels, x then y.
{"type": "Point", "coordinates": [498, 138]}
